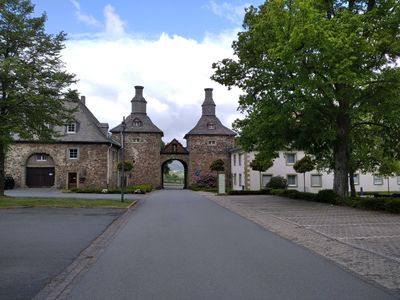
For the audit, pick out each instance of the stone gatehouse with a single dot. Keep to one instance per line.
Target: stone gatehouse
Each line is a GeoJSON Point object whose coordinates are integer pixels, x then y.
{"type": "Point", "coordinates": [86, 154]}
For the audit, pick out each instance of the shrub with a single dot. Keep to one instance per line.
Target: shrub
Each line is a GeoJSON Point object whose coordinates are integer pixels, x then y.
{"type": "Point", "coordinates": [206, 181]}
{"type": "Point", "coordinates": [327, 196]}
{"type": "Point", "coordinates": [373, 203]}
{"type": "Point", "coordinates": [277, 182]}
{"type": "Point", "coordinates": [393, 206]}
{"type": "Point", "coordinates": [278, 192]}
{"type": "Point", "coordinates": [259, 192]}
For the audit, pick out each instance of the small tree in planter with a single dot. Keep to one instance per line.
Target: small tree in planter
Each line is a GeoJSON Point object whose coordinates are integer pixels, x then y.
{"type": "Point", "coordinates": [277, 182]}
{"type": "Point", "coordinates": [306, 164]}
{"type": "Point", "coordinates": [260, 165]}
{"type": "Point", "coordinates": [127, 166]}
{"type": "Point", "coordinates": [218, 166]}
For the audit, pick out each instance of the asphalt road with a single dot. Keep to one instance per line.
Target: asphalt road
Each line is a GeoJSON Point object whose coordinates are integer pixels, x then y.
{"type": "Point", "coordinates": [38, 243]}
{"type": "Point", "coordinates": [179, 245]}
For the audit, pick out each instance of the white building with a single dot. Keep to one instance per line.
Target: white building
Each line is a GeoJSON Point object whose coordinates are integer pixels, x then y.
{"type": "Point", "coordinates": [244, 178]}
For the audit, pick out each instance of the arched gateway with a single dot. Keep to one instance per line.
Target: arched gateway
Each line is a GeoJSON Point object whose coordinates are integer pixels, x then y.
{"type": "Point", "coordinates": [207, 141]}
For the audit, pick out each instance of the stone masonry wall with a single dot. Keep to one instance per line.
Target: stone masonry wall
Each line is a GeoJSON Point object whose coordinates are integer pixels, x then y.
{"type": "Point", "coordinates": [201, 155]}
{"type": "Point", "coordinates": [91, 164]}
{"type": "Point", "coordinates": [144, 149]}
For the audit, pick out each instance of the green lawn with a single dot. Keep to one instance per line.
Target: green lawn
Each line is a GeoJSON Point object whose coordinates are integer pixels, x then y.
{"type": "Point", "coordinates": [48, 202]}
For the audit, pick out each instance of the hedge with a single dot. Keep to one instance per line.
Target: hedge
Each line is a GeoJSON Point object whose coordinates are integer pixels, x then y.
{"type": "Point", "coordinates": [128, 190]}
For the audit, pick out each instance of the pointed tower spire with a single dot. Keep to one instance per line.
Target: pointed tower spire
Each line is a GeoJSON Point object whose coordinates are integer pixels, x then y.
{"type": "Point", "coordinates": [138, 102]}
{"type": "Point", "coordinates": [208, 105]}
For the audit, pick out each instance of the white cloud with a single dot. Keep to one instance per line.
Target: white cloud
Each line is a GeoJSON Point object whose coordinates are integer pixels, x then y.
{"type": "Point", "coordinates": [85, 18]}
{"type": "Point", "coordinates": [115, 27]}
{"type": "Point", "coordinates": [233, 13]}
{"type": "Point", "coordinates": [173, 70]}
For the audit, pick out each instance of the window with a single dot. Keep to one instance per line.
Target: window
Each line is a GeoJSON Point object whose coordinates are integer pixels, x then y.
{"type": "Point", "coordinates": [211, 126]}
{"type": "Point", "coordinates": [240, 179]}
{"type": "Point", "coordinates": [292, 180]}
{"type": "Point", "coordinates": [234, 179]}
{"type": "Point", "coordinates": [73, 153]}
{"type": "Point", "coordinates": [71, 128]}
{"type": "Point", "coordinates": [234, 159]}
{"type": "Point", "coordinates": [398, 179]}
{"type": "Point", "coordinates": [356, 178]}
{"type": "Point", "coordinates": [378, 180]}
{"type": "Point", "coordinates": [290, 158]}
{"type": "Point", "coordinates": [212, 143]}
{"type": "Point", "coordinates": [137, 123]}
{"type": "Point", "coordinates": [41, 157]}
{"type": "Point", "coordinates": [316, 180]}
{"type": "Point", "coordinates": [135, 140]}
{"type": "Point", "coordinates": [174, 148]}
{"type": "Point", "coordinates": [266, 179]}
{"type": "Point", "coordinates": [240, 159]}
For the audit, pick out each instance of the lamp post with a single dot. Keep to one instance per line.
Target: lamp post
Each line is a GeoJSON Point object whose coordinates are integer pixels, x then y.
{"type": "Point", "coordinates": [123, 126]}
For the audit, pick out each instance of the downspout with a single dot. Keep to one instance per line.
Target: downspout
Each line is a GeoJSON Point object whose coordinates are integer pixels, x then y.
{"type": "Point", "coordinates": [108, 165]}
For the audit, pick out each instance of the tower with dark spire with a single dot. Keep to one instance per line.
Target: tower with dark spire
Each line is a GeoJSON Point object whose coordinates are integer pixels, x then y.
{"type": "Point", "coordinates": [208, 140]}
{"type": "Point", "coordinates": [142, 142]}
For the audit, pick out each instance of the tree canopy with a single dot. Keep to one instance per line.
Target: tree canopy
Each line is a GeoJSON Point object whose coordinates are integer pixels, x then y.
{"type": "Point", "coordinates": [321, 76]}
{"type": "Point", "coordinates": [217, 165]}
{"type": "Point", "coordinates": [33, 81]}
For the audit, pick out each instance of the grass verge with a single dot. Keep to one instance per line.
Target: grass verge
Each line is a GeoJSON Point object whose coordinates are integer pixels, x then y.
{"type": "Point", "coordinates": [7, 202]}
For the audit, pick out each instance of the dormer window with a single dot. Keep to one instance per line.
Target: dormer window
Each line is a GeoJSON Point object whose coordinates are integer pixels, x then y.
{"type": "Point", "coordinates": [137, 123]}
{"type": "Point", "coordinates": [211, 126]}
{"type": "Point", "coordinates": [71, 128]}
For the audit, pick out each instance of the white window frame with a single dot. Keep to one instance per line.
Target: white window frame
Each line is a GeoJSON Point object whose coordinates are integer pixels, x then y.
{"type": "Point", "coordinates": [212, 143]}
{"type": "Point", "coordinates": [320, 180]}
{"type": "Point", "coordinates": [211, 126]}
{"type": "Point", "coordinates": [398, 180]}
{"type": "Point", "coordinates": [240, 179]}
{"type": "Point", "coordinates": [136, 140]}
{"type": "Point", "coordinates": [234, 159]}
{"type": "Point", "coordinates": [295, 179]}
{"type": "Point", "coordinates": [41, 157]}
{"type": "Point", "coordinates": [377, 179]}
{"type": "Point", "coordinates": [265, 175]}
{"type": "Point", "coordinates": [71, 128]}
{"type": "Point", "coordinates": [356, 178]}
{"type": "Point", "coordinates": [234, 179]}
{"type": "Point", "coordinates": [70, 151]}
{"type": "Point", "coordinates": [240, 159]}
{"type": "Point", "coordinates": [294, 158]}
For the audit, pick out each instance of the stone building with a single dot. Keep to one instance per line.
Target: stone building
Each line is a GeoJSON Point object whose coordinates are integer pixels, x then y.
{"type": "Point", "coordinates": [207, 141]}
{"type": "Point", "coordinates": [142, 143]}
{"type": "Point", "coordinates": [86, 155]}
{"type": "Point", "coordinates": [83, 155]}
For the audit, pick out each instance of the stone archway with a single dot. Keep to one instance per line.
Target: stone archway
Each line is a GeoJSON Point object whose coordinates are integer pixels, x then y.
{"type": "Point", "coordinates": [184, 185]}
{"type": "Point", "coordinates": [40, 170]}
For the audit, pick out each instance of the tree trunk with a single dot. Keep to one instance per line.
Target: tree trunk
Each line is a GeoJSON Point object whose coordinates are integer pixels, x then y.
{"type": "Point", "coordinates": [341, 151]}
{"type": "Point", "coordinates": [2, 158]}
{"type": "Point", "coordinates": [352, 186]}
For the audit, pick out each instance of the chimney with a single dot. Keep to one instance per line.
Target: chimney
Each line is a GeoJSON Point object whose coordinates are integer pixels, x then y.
{"type": "Point", "coordinates": [138, 102]}
{"type": "Point", "coordinates": [208, 105]}
{"type": "Point", "coordinates": [83, 100]}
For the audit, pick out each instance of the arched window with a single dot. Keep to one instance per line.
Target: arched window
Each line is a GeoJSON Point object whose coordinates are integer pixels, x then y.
{"type": "Point", "coordinates": [137, 123]}
{"type": "Point", "coordinates": [211, 125]}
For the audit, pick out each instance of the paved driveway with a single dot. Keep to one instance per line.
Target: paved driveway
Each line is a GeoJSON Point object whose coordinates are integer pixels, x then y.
{"type": "Point", "coordinates": [365, 242]}
{"type": "Point", "coordinates": [179, 245]}
{"type": "Point", "coordinates": [55, 193]}
{"type": "Point", "coordinates": [38, 243]}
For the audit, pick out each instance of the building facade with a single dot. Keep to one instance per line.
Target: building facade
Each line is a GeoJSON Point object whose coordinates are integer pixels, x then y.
{"type": "Point", "coordinates": [82, 155]}
{"type": "Point", "coordinates": [244, 178]}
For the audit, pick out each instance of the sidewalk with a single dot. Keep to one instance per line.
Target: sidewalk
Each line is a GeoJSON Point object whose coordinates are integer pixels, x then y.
{"type": "Point", "coordinates": [364, 242]}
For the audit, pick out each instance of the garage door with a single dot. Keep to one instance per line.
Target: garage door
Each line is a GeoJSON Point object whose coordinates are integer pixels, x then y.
{"type": "Point", "coordinates": [39, 177]}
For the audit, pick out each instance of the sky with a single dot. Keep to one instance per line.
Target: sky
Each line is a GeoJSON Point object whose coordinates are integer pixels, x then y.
{"type": "Point", "coordinates": [166, 46]}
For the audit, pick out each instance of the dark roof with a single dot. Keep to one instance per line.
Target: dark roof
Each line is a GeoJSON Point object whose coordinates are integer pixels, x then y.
{"type": "Point", "coordinates": [205, 127]}
{"type": "Point", "coordinates": [89, 129]}
{"type": "Point", "coordinates": [138, 123]}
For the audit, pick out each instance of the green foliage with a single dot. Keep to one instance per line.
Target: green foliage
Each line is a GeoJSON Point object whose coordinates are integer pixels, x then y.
{"type": "Point", "coordinates": [98, 190]}
{"type": "Point", "coordinates": [393, 206]}
{"type": "Point", "coordinates": [389, 168]}
{"type": "Point", "coordinates": [306, 164]}
{"type": "Point", "coordinates": [259, 192]}
{"type": "Point", "coordinates": [126, 165]}
{"type": "Point", "coordinates": [32, 77]}
{"type": "Point", "coordinates": [258, 164]}
{"type": "Point", "coordinates": [277, 182]}
{"type": "Point", "coordinates": [321, 78]}
{"type": "Point", "coordinates": [217, 165]}
{"type": "Point", "coordinates": [327, 196]}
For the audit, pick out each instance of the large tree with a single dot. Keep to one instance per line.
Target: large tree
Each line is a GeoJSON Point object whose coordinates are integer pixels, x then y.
{"type": "Point", "coordinates": [315, 72]}
{"type": "Point", "coordinates": [32, 77]}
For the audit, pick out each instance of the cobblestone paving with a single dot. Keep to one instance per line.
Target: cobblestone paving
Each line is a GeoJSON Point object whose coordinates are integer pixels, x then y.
{"type": "Point", "coordinates": [364, 242]}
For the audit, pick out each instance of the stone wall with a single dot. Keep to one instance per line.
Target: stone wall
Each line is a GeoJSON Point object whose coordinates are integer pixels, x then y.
{"type": "Point", "coordinates": [144, 149]}
{"type": "Point", "coordinates": [91, 164]}
{"type": "Point", "coordinates": [202, 154]}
